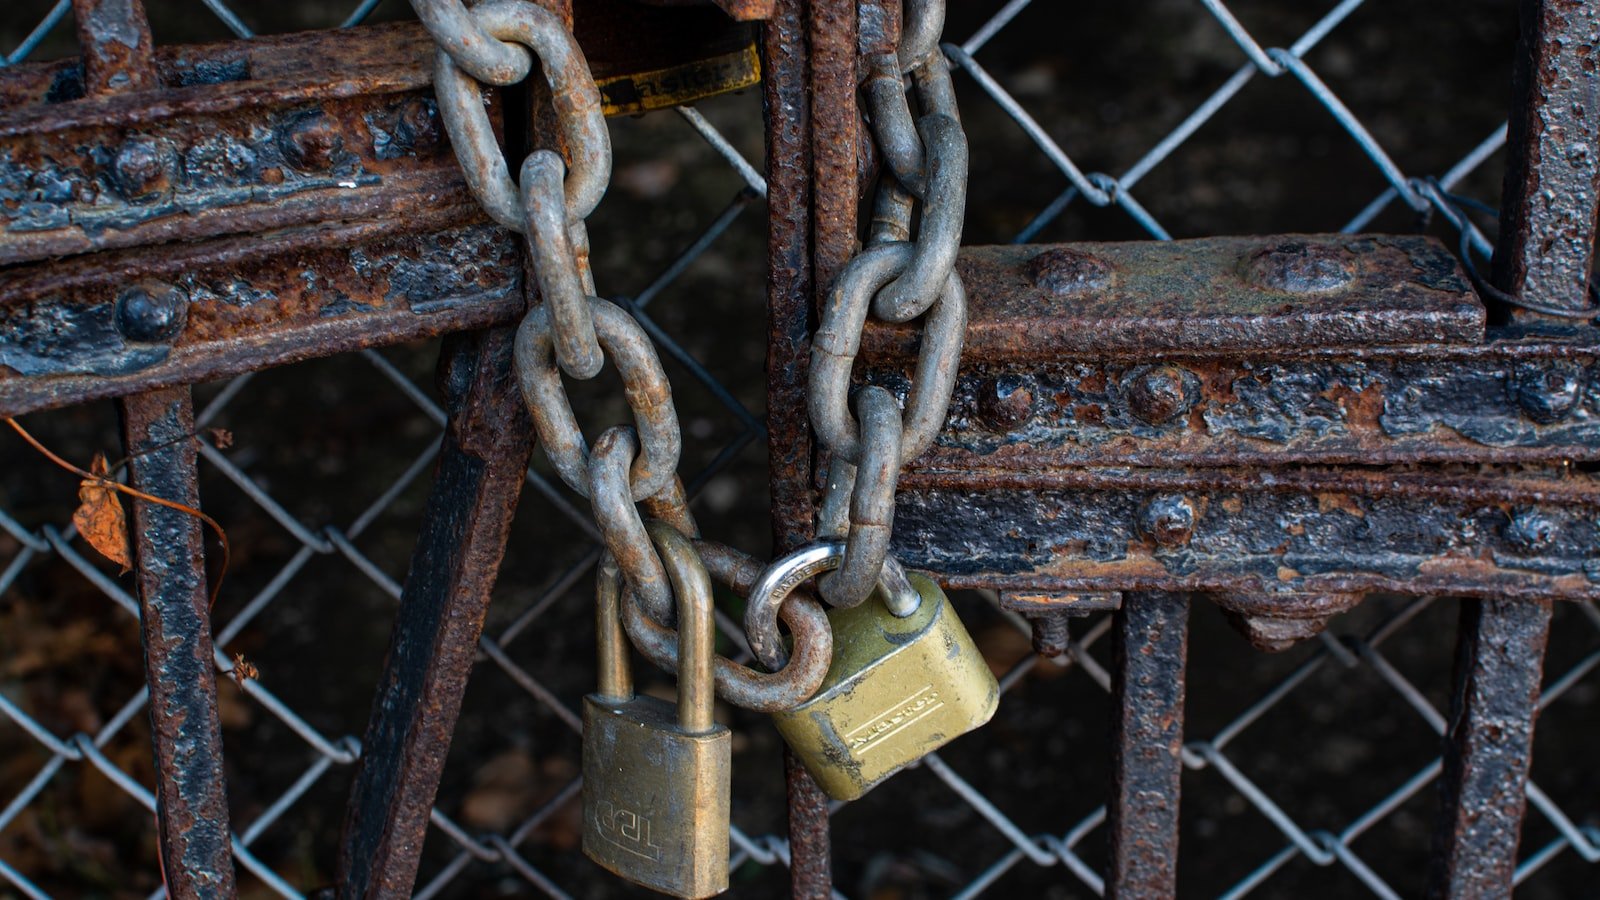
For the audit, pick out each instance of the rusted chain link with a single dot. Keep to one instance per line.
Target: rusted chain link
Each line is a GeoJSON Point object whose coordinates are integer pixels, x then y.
{"type": "Point", "coordinates": [574, 97]}
{"type": "Point", "coordinates": [644, 382]}
{"type": "Point", "coordinates": [478, 52]}
{"type": "Point", "coordinates": [551, 204]}
{"type": "Point", "coordinates": [573, 331]}
{"type": "Point", "coordinates": [838, 340]}
{"type": "Point", "coordinates": [795, 678]}
{"type": "Point", "coordinates": [898, 279]}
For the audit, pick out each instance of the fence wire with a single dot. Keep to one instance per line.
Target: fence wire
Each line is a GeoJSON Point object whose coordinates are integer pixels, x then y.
{"type": "Point", "coordinates": [757, 841]}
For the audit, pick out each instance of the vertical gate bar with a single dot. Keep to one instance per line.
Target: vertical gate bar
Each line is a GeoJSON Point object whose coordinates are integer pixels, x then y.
{"type": "Point", "coordinates": [1552, 184]}
{"type": "Point", "coordinates": [118, 51]}
{"type": "Point", "coordinates": [831, 77]}
{"type": "Point", "coordinates": [459, 548]}
{"type": "Point", "coordinates": [1499, 667]}
{"type": "Point", "coordinates": [791, 165]}
{"type": "Point", "coordinates": [175, 628]}
{"type": "Point", "coordinates": [477, 482]}
{"type": "Point", "coordinates": [118, 56]}
{"type": "Point", "coordinates": [788, 152]}
{"type": "Point", "coordinates": [1149, 658]}
{"type": "Point", "coordinates": [1545, 251]}
{"type": "Point", "coordinates": [834, 122]}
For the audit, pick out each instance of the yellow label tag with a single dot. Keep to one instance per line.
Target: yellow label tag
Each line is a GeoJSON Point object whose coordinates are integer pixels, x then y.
{"type": "Point", "coordinates": [640, 92]}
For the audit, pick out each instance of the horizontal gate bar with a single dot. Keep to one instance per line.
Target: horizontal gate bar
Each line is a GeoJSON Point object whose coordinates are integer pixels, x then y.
{"type": "Point", "coordinates": [1288, 543]}
{"type": "Point", "coordinates": [1186, 355]}
{"type": "Point", "coordinates": [276, 199]}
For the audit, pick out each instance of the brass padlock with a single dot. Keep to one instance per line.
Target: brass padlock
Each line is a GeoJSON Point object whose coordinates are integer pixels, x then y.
{"type": "Point", "coordinates": [899, 686]}
{"type": "Point", "coordinates": [656, 778]}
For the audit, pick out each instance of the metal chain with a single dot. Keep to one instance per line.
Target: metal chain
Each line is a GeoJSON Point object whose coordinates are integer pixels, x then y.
{"type": "Point", "coordinates": [573, 331]}
{"type": "Point", "coordinates": [898, 279]}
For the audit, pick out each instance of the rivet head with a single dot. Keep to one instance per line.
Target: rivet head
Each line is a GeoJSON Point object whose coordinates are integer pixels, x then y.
{"type": "Point", "coordinates": [1068, 272]}
{"type": "Point", "coordinates": [141, 169]}
{"type": "Point", "coordinates": [1159, 394]}
{"type": "Point", "coordinates": [151, 312]}
{"type": "Point", "coordinates": [1297, 267]}
{"type": "Point", "coordinates": [1005, 402]}
{"type": "Point", "coordinates": [310, 143]}
{"type": "Point", "coordinates": [1549, 393]}
{"type": "Point", "coordinates": [1168, 519]}
{"type": "Point", "coordinates": [1530, 530]}
{"type": "Point", "coordinates": [419, 124]}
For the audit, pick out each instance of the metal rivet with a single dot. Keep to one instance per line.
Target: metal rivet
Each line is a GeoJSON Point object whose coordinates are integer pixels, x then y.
{"type": "Point", "coordinates": [1297, 267]}
{"type": "Point", "coordinates": [1005, 402]}
{"type": "Point", "coordinates": [1549, 393]}
{"type": "Point", "coordinates": [1168, 519]}
{"type": "Point", "coordinates": [419, 125]}
{"type": "Point", "coordinates": [1067, 272]}
{"type": "Point", "coordinates": [1158, 394]}
{"type": "Point", "coordinates": [310, 142]}
{"type": "Point", "coordinates": [141, 168]}
{"type": "Point", "coordinates": [1530, 530]}
{"type": "Point", "coordinates": [152, 311]}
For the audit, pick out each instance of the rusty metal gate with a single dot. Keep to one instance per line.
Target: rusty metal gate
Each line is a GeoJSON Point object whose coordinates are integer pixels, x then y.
{"type": "Point", "coordinates": [1307, 431]}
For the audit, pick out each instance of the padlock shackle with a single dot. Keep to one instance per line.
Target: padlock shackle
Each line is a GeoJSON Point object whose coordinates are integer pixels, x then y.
{"type": "Point", "coordinates": [784, 575]}
{"type": "Point", "coordinates": [616, 670]}
{"type": "Point", "coordinates": [691, 588]}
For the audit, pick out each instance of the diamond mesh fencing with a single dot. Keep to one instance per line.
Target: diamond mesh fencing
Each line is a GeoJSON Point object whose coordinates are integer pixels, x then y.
{"type": "Point", "coordinates": [1309, 773]}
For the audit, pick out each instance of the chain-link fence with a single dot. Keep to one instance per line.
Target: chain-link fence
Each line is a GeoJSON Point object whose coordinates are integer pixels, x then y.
{"type": "Point", "coordinates": [1312, 773]}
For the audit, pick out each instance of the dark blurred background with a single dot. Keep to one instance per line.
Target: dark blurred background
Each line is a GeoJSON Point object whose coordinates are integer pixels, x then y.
{"type": "Point", "coordinates": [1429, 79]}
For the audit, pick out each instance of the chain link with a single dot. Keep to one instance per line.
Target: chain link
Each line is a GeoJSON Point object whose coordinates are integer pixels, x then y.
{"type": "Point", "coordinates": [794, 679]}
{"type": "Point", "coordinates": [899, 278]}
{"type": "Point", "coordinates": [574, 97]}
{"type": "Point", "coordinates": [573, 331]}
{"type": "Point", "coordinates": [645, 386]}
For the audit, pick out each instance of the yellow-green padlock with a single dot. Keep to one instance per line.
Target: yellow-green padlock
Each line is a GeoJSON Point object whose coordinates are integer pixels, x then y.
{"type": "Point", "coordinates": [656, 779]}
{"type": "Point", "coordinates": [899, 687]}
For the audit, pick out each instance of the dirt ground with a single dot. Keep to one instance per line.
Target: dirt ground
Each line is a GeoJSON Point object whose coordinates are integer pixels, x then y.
{"type": "Point", "coordinates": [1107, 81]}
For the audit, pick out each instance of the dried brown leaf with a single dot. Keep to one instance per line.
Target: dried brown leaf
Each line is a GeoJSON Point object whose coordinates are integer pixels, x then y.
{"type": "Point", "coordinates": [221, 438]}
{"type": "Point", "coordinates": [100, 517]}
{"type": "Point", "coordinates": [243, 670]}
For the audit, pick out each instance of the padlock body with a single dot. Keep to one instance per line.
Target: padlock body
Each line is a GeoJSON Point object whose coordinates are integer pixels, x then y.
{"type": "Point", "coordinates": [897, 689]}
{"type": "Point", "coordinates": [655, 800]}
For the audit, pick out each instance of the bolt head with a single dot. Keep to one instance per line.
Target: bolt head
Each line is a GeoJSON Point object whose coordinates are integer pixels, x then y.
{"type": "Point", "coordinates": [310, 143]}
{"type": "Point", "coordinates": [151, 312]}
{"type": "Point", "coordinates": [142, 168]}
{"type": "Point", "coordinates": [1069, 272]}
{"type": "Point", "coordinates": [1549, 393]}
{"type": "Point", "coordinates": [1297, 267]}
{"type": "Point", "coordinates": [1159, 394]}
{"type": "Point", "coordinates": [1168, 519]}
{"type": "Point", "coordinates": [419, 125]}
{"type": "Point", "coordinates": [1530, 530]}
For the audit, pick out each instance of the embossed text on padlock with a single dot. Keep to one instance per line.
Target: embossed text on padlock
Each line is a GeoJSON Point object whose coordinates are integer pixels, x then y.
{"type": "Point", "coordinates": [656, 786]}
{"type": "Point", "coordinates": [898, 687]}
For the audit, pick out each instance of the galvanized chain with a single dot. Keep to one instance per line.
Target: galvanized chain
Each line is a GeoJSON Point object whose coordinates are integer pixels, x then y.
{"type": "Point", "coordinates": [898, 278]}
{"type": "Point", "coordinates": [573, 331]}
